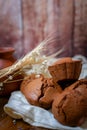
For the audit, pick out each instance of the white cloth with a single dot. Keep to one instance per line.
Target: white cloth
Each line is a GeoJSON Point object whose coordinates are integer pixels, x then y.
{"type": "Point", "coordinates": [18, 107]}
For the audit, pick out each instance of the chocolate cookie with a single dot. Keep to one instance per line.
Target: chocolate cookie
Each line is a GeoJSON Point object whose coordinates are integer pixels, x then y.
{"type": "Point", "coordinates": [65, 71]}
{"type": "Point", "coordinates": [40, 91]}
{"type": "Point", "coordinates": [71, 105]}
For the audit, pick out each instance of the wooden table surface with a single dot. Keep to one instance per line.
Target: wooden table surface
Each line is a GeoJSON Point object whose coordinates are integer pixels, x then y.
{"type": "Point", "coordinates": [7, 123]}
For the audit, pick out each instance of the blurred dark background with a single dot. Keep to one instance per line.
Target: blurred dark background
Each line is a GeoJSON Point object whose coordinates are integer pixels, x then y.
{"type": "Point", "coordinates": [25, 23]}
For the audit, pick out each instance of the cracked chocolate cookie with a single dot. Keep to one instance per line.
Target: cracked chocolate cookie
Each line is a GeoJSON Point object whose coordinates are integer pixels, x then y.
{"type": "Point", "coordinates": [40, 91]}
{"type": "Point", "coordinates": [71, 106]}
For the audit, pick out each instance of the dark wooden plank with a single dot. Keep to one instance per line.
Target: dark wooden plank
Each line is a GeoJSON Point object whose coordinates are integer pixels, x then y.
{"type": "Point", "coordinates": [80, 29]}
{"type": "Point", "coordinates": [45, 17]}
{"type": "Point", "coordinates": [34, 14]}
{"type": "Point", "coordinates": [11, 25]}
{"type": "Point", "coordinates": [65, 25]}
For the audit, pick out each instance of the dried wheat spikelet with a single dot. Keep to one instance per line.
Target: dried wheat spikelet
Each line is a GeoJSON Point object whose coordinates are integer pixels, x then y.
{"type": "Point", "coordinates": [44, 51]}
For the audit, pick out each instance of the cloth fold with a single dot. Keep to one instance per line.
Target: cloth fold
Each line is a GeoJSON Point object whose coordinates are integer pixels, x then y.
{"type": "Point", "coordinates": [18, 107]}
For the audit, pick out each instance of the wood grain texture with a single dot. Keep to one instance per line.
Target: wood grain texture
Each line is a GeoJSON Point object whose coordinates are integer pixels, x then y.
{"type": "Point", "coordinates": [34, 15]}
{"type": "Point", "coordinates": [66, 25]}
{"type": "Point", "coordinates": [25, 23]}
{"type": "Point", "coordinates": [11, 25]}
{"type": "Point", "coordinates": [80, 27]}
{"type": "Point", "coordinates": [42, 18]}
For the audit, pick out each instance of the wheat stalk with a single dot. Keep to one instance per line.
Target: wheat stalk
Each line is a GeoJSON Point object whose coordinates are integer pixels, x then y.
{"type": "Point", "coordinates": [35, 56]}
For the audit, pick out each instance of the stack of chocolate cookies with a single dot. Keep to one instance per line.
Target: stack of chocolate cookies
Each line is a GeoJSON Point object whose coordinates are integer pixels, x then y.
{"type": "Point", "coordinates": [64, 93]}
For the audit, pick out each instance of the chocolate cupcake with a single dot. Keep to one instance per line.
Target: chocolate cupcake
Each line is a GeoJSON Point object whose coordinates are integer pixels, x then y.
{"type": "Point", "coordinates": [40, 91]}
{"type": "Point", "coordinates": [71, 104]}
{"type": "Point", "coordinates": [65, 71]}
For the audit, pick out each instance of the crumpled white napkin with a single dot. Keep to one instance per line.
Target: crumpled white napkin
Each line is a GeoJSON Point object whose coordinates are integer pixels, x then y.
{"type": "Point", "coordinates": [18, 107]}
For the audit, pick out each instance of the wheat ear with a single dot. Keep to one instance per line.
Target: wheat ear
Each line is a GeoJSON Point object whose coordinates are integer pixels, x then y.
{"type": "Point", "coordinates": [32, 57]}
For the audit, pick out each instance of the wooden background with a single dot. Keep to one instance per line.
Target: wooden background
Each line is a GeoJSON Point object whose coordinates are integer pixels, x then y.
{"type": "Point", "coordinates": [25, 23]}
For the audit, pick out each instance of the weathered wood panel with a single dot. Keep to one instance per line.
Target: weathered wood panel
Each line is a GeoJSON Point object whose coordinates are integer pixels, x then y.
{"type": "Point", "coordinates": [66, 25]}
{"type": "Point", "coordinates": [25, 23]}
{"type": "Point", "coordinates": [80, 27]}
{"type": "Point", "coordinates": [34, 15]}
{"type": "Point", "coordinates": [11, 25]}
{"type": "Point", "coordinates": [45, 17]}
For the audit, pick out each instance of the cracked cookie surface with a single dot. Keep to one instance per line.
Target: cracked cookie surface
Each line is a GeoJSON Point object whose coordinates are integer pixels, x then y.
{"type": "Point", "coordinates": [71, 105]}
{"type": "Point", "coordinates": [40, 91]}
